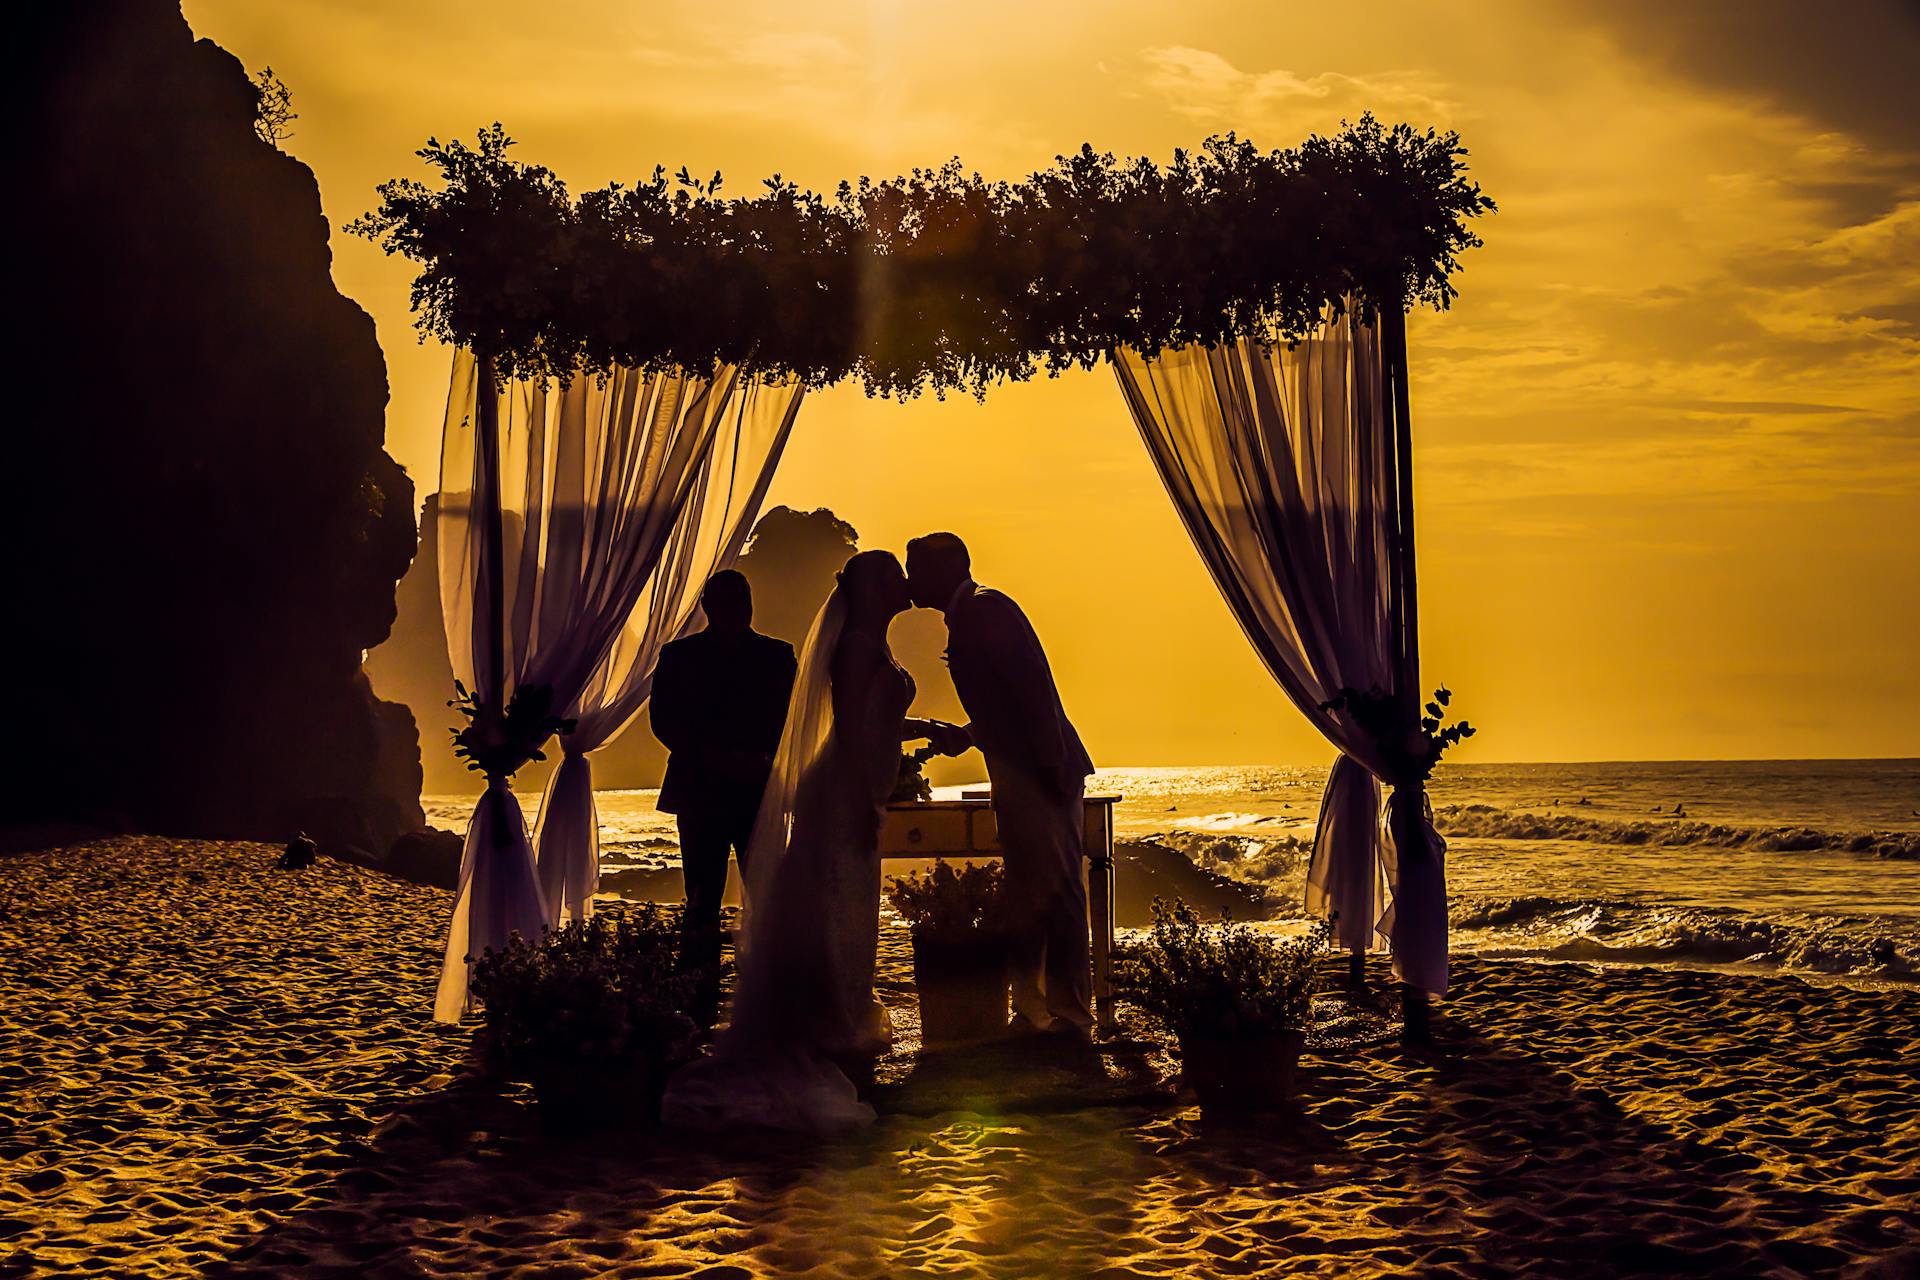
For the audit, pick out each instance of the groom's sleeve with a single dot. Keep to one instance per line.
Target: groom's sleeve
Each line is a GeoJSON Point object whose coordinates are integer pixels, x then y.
{"type": "Point", "coordinates": [1028, 696]}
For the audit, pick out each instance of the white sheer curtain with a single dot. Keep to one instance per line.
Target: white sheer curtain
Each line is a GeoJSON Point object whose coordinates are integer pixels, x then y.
{"type": "Point", "coordinates": [718, 515]}
{"type": "Point", "coordinates": [591, 482]}
{"type": "Point", "coordinates": [1280, 461]}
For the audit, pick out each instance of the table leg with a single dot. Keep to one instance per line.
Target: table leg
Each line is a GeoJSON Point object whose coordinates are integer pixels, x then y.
{"type": "Point", "coordinates": [1100, 904]}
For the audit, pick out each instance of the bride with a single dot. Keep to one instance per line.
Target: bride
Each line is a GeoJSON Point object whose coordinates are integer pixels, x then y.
{"type": "Point", "coordinates": [804, 999]}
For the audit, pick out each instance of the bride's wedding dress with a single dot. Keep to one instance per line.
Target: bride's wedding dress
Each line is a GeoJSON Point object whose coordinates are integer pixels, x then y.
{"type": "Point", "coordinates": [804, 999]}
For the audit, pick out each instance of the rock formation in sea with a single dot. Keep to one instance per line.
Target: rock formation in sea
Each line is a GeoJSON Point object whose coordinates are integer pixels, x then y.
{"type": "Point", "coordinates": [791, 561]}
{"type": "Point", "coordinates": [203, 525]}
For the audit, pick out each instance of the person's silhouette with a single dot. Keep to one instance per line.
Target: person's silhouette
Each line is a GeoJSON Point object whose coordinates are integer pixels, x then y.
{"type": "Point", "coordinates": [1038, 768]}
{"type": "Point", "coordinates": [719, 704]}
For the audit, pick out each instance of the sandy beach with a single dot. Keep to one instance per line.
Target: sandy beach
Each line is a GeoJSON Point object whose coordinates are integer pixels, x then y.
{"type": "Point", "coordinates": [210, 1067]}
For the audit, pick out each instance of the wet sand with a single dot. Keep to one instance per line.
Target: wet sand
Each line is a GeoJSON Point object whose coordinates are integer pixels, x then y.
{"type": "Point", "coordinates": [209, 1067]}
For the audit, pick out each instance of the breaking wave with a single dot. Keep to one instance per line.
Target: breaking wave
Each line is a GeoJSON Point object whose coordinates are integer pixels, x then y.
{"type": "Point", "coordinates": [1600, 930]}
{"type": "Point", "coordinates": [1484, 821]}
{"type": "Point", "coordinates": [1639, 933]}
{"type": "Point", "coordinates": [1260, 858]}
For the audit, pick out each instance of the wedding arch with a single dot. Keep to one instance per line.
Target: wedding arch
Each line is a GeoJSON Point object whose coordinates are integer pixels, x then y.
{"type": "Point", "coordinates": [630, 363]}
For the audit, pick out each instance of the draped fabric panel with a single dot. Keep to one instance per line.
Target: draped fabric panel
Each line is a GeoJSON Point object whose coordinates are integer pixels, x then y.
{"type": "Point", "coordinates": [1280, 461]}
{"type": "Point", "coordinates": [718, 514]}
{"type": "Point", "coordinates": [591, 482]}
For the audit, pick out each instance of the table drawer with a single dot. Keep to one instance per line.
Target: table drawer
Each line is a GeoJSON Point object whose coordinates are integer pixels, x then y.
{"type": "Point", "coordinates": [932, 832]}
{"type": "Point", "coordinates": [986, 831]}
{"type": "Point", "coordinates": [950, 830]}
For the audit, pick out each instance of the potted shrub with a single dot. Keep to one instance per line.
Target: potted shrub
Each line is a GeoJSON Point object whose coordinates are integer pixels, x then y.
{"type": "Point", "coordinates": [595, 1015]}
{"type": "Point", "coordinates": [1237, 1000]}
{"type": "Point", "coordinates": [959, 950]}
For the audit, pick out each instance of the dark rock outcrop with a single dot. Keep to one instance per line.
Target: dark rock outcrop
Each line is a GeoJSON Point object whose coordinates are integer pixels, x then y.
{"type": "Point", "coordinates": [1144, 870]}
{"type": "Point", "coordinates": [428, 856]}
{"type": "Point", "coordinates": [203, 529]}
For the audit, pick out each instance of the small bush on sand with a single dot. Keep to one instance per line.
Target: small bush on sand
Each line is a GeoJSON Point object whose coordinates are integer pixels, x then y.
{"type": "Point", "coordinates": [1216, 980]}
{"type": "Point", "coordinates": [604, 1002]}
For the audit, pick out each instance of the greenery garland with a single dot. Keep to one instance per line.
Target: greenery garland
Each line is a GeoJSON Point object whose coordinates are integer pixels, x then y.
{"type": "Point", "coordinates": [939, 279]}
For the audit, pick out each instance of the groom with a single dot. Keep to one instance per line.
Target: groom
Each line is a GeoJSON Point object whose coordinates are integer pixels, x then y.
{"type": "Point", "coordinates": [1038, 770]}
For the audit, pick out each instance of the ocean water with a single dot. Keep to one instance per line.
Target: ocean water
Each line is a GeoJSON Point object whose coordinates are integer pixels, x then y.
{"type": "Point", "coordinates": [1810, 867]}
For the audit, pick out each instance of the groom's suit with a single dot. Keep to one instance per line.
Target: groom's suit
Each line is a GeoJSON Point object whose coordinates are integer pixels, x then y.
{"type": "Point", "coordinates": [1038, 768]}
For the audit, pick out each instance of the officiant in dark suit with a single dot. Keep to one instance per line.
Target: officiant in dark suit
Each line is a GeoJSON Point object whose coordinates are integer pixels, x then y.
{"type": "Point", "coordinates": [719, 704]}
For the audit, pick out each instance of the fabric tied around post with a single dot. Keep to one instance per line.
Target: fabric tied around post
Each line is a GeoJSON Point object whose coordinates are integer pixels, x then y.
{"type": "Point", "coordinates": [1416, 918]}
{"type": "Point", "coordinates": [1378, 897]}
{"type": "Point", "coordinates": [569, 841]}
{"type": "Point", "coordinates": [498, 895]}
{"type": "Point", "coordinates": [1280, 459]}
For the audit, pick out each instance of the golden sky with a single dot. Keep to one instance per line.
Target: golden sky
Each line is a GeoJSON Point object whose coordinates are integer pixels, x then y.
{"type": "Point", "coordinates": [1668, 439]}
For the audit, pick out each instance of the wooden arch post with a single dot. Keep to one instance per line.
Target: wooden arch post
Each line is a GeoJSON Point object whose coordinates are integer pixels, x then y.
{"type": "Point", "coordinates": [1409, 793]}
{"type": "Point", "coordinates": [487, 497]}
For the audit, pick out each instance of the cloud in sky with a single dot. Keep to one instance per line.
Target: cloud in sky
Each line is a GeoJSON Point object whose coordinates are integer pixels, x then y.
{"type": "Point", "coordinates": [1846, 67]}
{"type": "Point", "coordinates": [1204, 86]}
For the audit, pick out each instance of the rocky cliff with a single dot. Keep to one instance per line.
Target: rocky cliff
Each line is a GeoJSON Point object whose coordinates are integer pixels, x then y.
{"type": "Point", "coordinates": [203, 526]}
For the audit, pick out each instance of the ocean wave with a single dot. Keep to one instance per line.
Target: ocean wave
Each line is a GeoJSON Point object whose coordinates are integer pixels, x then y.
{"type": "Point", "coordinates": [1483, 821]}
{"type": "Point", "coordinates": [1642, 933]}
{"type": "Point", "coordinates": [1244, 857]}
{"type": "Point", "coordinates": [617, 840]}
{"type": "Point", "coordinates": [648, 854]}
{"type": "Point", "coordinates": [1228, 823]}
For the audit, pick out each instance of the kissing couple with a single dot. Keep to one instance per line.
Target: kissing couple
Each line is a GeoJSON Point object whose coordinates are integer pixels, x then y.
{"type": "Point", "coordinates": [803, 1004]}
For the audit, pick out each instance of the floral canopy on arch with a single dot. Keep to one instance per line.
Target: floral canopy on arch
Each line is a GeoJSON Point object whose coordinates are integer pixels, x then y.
{"type": "Point", "coordinates": [1251, 304]}
{"type": "Point", "coordinates": [935, 280]}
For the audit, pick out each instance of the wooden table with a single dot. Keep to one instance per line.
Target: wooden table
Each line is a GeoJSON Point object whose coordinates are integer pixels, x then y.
{"type": "Point", "coordinates": [961, 829]}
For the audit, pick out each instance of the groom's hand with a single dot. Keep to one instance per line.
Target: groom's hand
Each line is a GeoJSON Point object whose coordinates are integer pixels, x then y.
{"type": "Point", "coordinates": [949, 739]}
